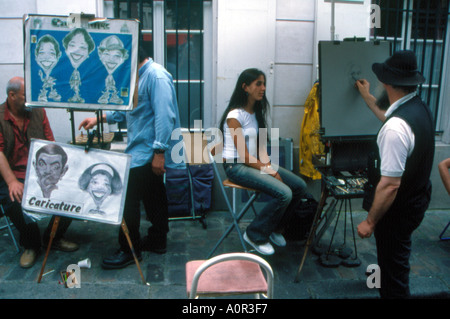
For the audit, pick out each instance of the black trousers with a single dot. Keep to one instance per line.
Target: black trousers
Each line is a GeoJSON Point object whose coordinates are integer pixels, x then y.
{"type": "Point", "coordinates": [393, 239]}
{"type": "Point", "coordinates": [147, 188]}
{"type": "Point", "coordinates": [30, 237]}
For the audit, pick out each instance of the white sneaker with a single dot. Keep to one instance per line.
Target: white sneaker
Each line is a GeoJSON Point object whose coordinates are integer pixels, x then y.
{"type": "Point", "coordinates": [265, 249]}
{"type": "Point", "coordinates": [278, 239]}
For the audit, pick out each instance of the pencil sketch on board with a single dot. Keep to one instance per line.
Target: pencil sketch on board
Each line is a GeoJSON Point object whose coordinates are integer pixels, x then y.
{"type": "Point", "coordinates": [65, 180]}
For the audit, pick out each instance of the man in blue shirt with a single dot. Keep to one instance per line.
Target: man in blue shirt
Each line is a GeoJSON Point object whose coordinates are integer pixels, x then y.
{"type": "Point", "coordinates": [149, 128]}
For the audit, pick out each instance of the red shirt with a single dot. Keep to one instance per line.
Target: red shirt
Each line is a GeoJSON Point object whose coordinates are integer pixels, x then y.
{"type": "Point", "coordinates": [19, 159]}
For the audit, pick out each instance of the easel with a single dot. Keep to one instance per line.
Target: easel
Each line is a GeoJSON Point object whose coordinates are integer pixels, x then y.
{"type": "Point", "coordinates": [339, 152]}
{"type": "Point", "coordinates": [95, 136]}
{"type": "Point", "coordinates": [341, 256]}
{"type": "Point", "coordinates": [57, 219]}
{"type": "Point", "coordinates": [125, 230]}
{"type": "Point", "coordinates": [327, 259]}
{"type": "Point", "coordinates": [317, 218]}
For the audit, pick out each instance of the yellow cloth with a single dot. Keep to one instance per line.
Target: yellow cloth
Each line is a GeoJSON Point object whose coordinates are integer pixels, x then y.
{"type": "Point", "coordinates": [310, 143]}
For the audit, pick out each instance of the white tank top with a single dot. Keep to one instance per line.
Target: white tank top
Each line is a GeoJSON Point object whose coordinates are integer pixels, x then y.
{"type": "Point", "coordinates": [249, 126]}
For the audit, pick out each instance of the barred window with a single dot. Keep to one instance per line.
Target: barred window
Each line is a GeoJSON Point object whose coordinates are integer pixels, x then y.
{"type": "Point", "coordinates": [179, 23]}
{"type": "Point", "coordinates": [420, 26]}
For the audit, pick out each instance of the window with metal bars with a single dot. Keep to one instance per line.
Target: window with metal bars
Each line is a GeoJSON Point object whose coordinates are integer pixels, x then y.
{"type": "Point", "coordinates": [182, 34]}
{"type": "Point", "coordinates": [420, 26]}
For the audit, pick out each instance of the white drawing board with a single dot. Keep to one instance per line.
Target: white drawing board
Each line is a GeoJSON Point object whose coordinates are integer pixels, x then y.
{"type": "Point", "coordinates": [65, 180]}
{"type": "Point", "coordinates": [80, 63]}
{"type": "Point", "coordinates": [343, 112]}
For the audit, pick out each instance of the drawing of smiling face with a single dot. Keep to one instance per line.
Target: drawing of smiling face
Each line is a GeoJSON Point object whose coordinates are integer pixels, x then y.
{"type": "Point", "coordinates": [100, 181]}
{"type": "Point", "coordinates": [99, 188]}
{"type": "Point", "coordinates": [112, 59]}
{"type": "Point", "coordinates": [78, 44]}
{"type": "Point", "coordinates": [112, 53]}
{"type": "Point", "coordinates": [77, 50]}
{"type": "Point", "coordinates": [47, 54]}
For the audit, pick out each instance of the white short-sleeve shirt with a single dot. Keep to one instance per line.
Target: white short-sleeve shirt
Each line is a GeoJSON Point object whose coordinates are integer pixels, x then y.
{"type": "Point", "coordinates": [249, 126]}
{"type": "Point", "coordinates": [395, 142]}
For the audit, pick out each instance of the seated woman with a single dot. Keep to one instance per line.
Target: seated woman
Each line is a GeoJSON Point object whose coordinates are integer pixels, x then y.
{"type": "Point", "coordinates": [247, 163]}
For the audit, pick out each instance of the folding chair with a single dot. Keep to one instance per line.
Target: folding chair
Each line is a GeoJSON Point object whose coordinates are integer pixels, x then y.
{"type": "Point", "coordinates": [188, 150]}
{"type": "Point", "coordinates": [441, 236]}
{"type": "Point", "coordinates": [236, 216]}
{"type": "Point", "coordinates": [229, 274]}
{"type": "Point", "coordinates": [8, 225]}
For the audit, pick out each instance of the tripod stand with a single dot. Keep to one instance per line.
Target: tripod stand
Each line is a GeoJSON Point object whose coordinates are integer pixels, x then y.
{"type": "Point", "coordinates": [341, 255]}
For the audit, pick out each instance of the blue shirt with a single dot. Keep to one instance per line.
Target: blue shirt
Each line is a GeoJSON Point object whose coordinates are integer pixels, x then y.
{"type": "Point", "coordinates": [151, 122]}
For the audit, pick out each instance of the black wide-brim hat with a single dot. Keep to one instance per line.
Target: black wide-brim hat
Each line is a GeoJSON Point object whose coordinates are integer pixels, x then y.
{"type": "Point", "coordinates": [399, 70]}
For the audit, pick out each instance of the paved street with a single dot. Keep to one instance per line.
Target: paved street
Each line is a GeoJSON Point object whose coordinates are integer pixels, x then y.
{"type": "Point", "coordinates": [188, 240]}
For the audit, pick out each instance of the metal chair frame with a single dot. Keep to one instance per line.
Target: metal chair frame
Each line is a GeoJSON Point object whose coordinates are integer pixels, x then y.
{"type": "Point", "coordinates": [8, 225]}
{"type": "Point", "coordinates": [233, 256]}
{"type": "Point", "coordinates": [232, 208]}
{"type": "Point", "coordinates": [441, 236]}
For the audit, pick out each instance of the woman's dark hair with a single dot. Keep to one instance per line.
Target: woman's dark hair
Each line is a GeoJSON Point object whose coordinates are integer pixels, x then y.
{"type": "Point", "coordinates": [239, 98]}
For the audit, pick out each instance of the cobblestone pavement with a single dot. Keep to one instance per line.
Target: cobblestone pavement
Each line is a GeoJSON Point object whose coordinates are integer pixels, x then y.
{"type": "Point", "coordinates": [189, 240]}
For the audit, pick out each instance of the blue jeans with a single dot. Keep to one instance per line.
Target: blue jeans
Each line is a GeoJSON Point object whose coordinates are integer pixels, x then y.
{"type": "Point", "coordinates": [284, 196]}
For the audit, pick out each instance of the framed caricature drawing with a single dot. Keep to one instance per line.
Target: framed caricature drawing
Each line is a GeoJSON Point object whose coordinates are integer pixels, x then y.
{"type": "Point", "coordinates": [64, 180]}
{"type": "Point", "coordinates": [80, 62]}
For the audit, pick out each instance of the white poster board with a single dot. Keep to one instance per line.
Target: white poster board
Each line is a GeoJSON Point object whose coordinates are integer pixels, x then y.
{"type": "Point", "coordinates": [80, 62]}
{"type": "Point", "coordinates": [65, 180]}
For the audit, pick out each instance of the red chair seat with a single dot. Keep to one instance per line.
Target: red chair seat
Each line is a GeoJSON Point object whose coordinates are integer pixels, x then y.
{"type": "Point", "coordinates": [228, 277]}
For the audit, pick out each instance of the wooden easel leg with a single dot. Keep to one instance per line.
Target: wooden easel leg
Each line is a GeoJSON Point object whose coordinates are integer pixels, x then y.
{"type": "Point", "coordinates": [127, 235]}
{"type": "Point", "coordinates": [312, 231]}
{"type": "Point", "coordinates": [52, 235]}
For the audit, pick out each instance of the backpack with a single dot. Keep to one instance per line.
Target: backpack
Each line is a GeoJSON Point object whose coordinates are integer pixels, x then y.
{"type": "Point", "coordinates": [300, 219]}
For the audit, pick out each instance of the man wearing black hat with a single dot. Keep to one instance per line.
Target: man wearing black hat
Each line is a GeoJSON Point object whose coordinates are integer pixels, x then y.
{"type": "Point", "coordinates": [402, 165]}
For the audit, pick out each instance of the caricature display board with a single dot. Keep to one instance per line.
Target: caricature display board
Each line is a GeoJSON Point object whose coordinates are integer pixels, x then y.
{"type": "Point", "coordinates": [80, 63]}
{"type": "Point", "coordinates": [343, 112]}
{"type": "Point", "coordinates": [64, 180]}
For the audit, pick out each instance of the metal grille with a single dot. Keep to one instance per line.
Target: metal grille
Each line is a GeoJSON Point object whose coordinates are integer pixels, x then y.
{"type": "Point", "coordinates": [183, 47]}
{"type": "Point", "coordinates": [420, 26]}
{"type": "Point", "coordinates": [184, 55]}
{"type": "Point", "coordinates": [141, 10]}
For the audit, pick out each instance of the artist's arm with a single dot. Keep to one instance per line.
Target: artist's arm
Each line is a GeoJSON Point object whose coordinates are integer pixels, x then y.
{"type": "Point", "coordinates": [443, 167]}
{"type": "Point", "coordinates": [15, 187]}
{"type": "Point", "coordinates": [90, 122]}
{"type": "Point", "coordinates": [385, 194]}
{"type": "Point", "coordinates": [108, 117]}
{"type": "Point", "coordinates": [394, 148]}
{"type": "Point", "coordinates": [364, 89]}
{"type": "Point", "coordinates": [241, 147]}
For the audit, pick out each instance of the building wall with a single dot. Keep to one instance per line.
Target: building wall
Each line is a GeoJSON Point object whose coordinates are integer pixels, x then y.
{"type": "Point", "coordinates": [300, 25]}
